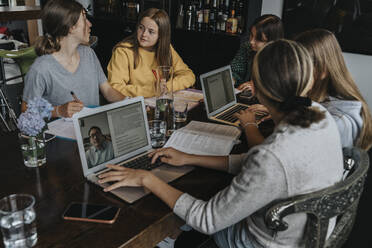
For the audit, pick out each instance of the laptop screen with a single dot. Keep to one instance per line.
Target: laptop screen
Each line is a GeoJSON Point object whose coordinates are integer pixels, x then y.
{"type": "Point", "coordinates": [110, 134]}
{"type": "Point", "coordinates": [218, 88]}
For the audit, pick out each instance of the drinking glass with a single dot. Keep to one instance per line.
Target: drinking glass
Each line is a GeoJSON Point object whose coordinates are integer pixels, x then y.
{"type": "Point", "coordinates": [164, 97]}
{"type": "Point", "coordinates": [158, 130]}
{"type": "Point", "coordinates": [17, 220]}
{"type": "Point", "coordinates": [33, 149]}
{"type": "Point", "coordinates": [180, 111]}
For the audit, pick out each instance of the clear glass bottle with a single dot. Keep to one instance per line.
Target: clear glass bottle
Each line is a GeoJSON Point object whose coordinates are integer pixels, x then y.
{"type": "Point", "coordinates": [164, 97]}
{"type": "Point", "coordinates": [179, 23]}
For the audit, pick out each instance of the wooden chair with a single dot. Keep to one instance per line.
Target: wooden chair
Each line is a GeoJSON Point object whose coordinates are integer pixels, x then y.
{"type": "Point", "coordinates": [339, 200]}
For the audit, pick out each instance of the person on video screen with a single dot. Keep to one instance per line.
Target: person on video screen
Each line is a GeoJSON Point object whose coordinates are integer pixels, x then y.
{"type": "Point", "coordinates": [101, 149]}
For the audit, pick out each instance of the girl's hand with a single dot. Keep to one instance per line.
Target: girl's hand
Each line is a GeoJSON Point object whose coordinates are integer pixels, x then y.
{"type": "Point", "coordinates": [123, 177]}
{"type": "Point", "coordinates": [69, 108]}
{"type": "Point", "coordinates": [170, 156]}
{"type": "Point", "coordinates": [246, 116]}
{"type": "Point", "coordinates": [260, 109]}
{"type": "Point", "coordinates": [247, 86]}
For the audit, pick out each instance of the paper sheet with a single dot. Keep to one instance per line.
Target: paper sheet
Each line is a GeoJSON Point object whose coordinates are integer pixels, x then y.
{"type": "Point", "coordinates": [62, 128]}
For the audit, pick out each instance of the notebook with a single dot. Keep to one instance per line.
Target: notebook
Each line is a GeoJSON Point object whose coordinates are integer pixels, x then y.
{"type": "Point", "coordinates": [219, 96]}
{"type": "Point", "coordinates": [118, 133]}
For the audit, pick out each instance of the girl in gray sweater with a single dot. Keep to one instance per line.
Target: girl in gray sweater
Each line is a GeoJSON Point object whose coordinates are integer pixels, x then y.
{"type": "Point", "coordinates": [302, 155]}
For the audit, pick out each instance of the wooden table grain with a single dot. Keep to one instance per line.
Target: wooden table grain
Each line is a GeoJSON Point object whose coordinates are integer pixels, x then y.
{"type": "Point", "coordinates": [60, 181]}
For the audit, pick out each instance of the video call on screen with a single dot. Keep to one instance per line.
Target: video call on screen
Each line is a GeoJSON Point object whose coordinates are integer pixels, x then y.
{"type": "Point", "coordinates": [124, 125]}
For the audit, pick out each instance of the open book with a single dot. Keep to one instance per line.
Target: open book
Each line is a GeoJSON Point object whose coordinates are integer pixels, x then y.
{"type": "Point", "coordinates": [204, 138]}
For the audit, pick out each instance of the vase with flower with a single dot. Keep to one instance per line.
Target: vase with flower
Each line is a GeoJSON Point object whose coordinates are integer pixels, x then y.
{"type": "Point", "coordinates": [32, 124]}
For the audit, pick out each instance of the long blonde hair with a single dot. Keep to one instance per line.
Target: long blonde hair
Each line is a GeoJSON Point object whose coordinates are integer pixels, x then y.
{"type": "Point", "coordinates": [163, 54]}
{"type": "Point", "coordinates": [332, 78]}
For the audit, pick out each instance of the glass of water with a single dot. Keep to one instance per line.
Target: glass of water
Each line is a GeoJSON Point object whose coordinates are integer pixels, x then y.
{"type": "Point", "coordinates": [180, 111]}
{"type": "Point", "coordinates": [18, 220]}
{"type": "Point", "coordinates": [158, 129]}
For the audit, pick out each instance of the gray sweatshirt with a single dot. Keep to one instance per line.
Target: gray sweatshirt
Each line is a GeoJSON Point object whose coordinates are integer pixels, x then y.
{"type": "Point", "coordinates": [348, 119]}
{"type": "Point", "coordinates": [292, 161]}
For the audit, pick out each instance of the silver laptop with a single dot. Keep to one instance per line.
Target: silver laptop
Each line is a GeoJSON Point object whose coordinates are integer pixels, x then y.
{"type": "Point", "coordinates": [219, 96]}
{"type": "Point", "coordinates": [118, 133]}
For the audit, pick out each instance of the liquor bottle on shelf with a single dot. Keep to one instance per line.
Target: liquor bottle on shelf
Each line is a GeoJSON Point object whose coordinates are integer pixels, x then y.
{"type": "Point", "coordinates": [239, 15]}
{"type": "Point", "coordinates": [188, 22]}
{"type": "Point", "coordinates": [232, 23]}
{"type": "Point", "coordinates": [199, 16]}
{"type": "Point", "coordinates": [225, 15]}
{"type": "Point", "coordinates": [219, 16]}
{"type": "Point", "coordinates": [179, 23]}
{"type": "Point", "coordinates": [213, 17]}
{"type": "Point", "coordinates": [206, 10]}
{"type": "Point", "coordinates": [227, 6]}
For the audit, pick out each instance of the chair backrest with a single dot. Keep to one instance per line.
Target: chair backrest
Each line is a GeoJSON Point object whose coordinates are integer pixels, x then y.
{"type": "Point", "coordinates": [23, 57]}
{"type": "Point", "coordinates": [11, 93]}
{"type": "Point", "coordinates": [339, 200]}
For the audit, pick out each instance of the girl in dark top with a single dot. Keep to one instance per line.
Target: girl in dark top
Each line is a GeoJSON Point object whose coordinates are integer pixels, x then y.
{"type": "Point", "coordinates": [264, 29]}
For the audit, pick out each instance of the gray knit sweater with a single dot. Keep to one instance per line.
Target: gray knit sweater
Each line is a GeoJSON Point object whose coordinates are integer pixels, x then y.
{"type": "Point", "coordinates": [292, 161]}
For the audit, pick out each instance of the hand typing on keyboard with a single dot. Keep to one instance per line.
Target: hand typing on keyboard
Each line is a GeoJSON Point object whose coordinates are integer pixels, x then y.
{"type": "Point", "coordinates": [123, 176]}
{"type": "Point", "coordinates": [260, 110]}
{"type": "Point", "coordinates": [246, 116]}
{"type": "Point", "coordinates": [169, 156]}
{"type": "Point", "coordinates": [134, 172]}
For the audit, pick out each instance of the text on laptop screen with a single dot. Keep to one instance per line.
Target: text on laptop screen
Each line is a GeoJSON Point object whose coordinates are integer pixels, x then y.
{"type": "Point", "coordinates": [113, 133]}
{"type": "Point", "coordinates": [219, 90]}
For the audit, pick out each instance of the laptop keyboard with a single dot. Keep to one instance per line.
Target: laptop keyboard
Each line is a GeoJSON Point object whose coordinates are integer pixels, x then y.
{"type": "Point", "coordinates": [228, 115]}
{"type": "Point", "coordinates": [143, 162]}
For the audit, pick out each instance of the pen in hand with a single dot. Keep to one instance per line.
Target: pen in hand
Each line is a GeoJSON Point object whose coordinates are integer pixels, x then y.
{"type": "Point", "coordinates": [74, 96]}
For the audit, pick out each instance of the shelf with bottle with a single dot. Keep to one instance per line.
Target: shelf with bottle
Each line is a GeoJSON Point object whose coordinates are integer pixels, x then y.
{"type": "Point", "coordinates": [214, 16]}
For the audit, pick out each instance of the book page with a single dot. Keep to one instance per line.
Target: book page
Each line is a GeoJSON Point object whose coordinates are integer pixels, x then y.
{"type": "Point", "coordinates": [199, 144]}
{"type": "Point", "coordinates": [213, 129]}
{"type": "Point", "coordinates": [204, 138]}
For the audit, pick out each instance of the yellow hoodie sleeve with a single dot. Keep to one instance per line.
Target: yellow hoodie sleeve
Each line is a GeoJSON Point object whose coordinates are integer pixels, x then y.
{"type": "Point", "coordinates": [183, 75]}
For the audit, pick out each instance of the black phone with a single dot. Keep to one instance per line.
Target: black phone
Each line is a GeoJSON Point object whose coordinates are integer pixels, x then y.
{"type": "Point", "coordinates": [83, 211]}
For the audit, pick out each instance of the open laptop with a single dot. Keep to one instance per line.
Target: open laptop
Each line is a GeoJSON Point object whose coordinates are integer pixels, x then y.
{"type": "Point", "coordinates": [219, 96]}
{"type": "Point", "coordinates": [118, 133]}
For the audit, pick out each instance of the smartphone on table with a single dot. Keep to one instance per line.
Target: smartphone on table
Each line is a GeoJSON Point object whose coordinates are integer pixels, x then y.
{"type": "Point", "coordinates": [83, 211]}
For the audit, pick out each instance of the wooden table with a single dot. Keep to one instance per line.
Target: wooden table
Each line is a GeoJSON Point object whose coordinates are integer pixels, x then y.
{"type": "Point", "coordinates": [141, 224]}
{"type": "Point", "coordinates": [60, 181]}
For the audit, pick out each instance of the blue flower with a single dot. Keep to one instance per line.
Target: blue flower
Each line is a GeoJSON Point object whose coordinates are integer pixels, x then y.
{"type": "Point", "coordinates": [40, 105]}
{"type": "Point", "coordinates": [32, 121]}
